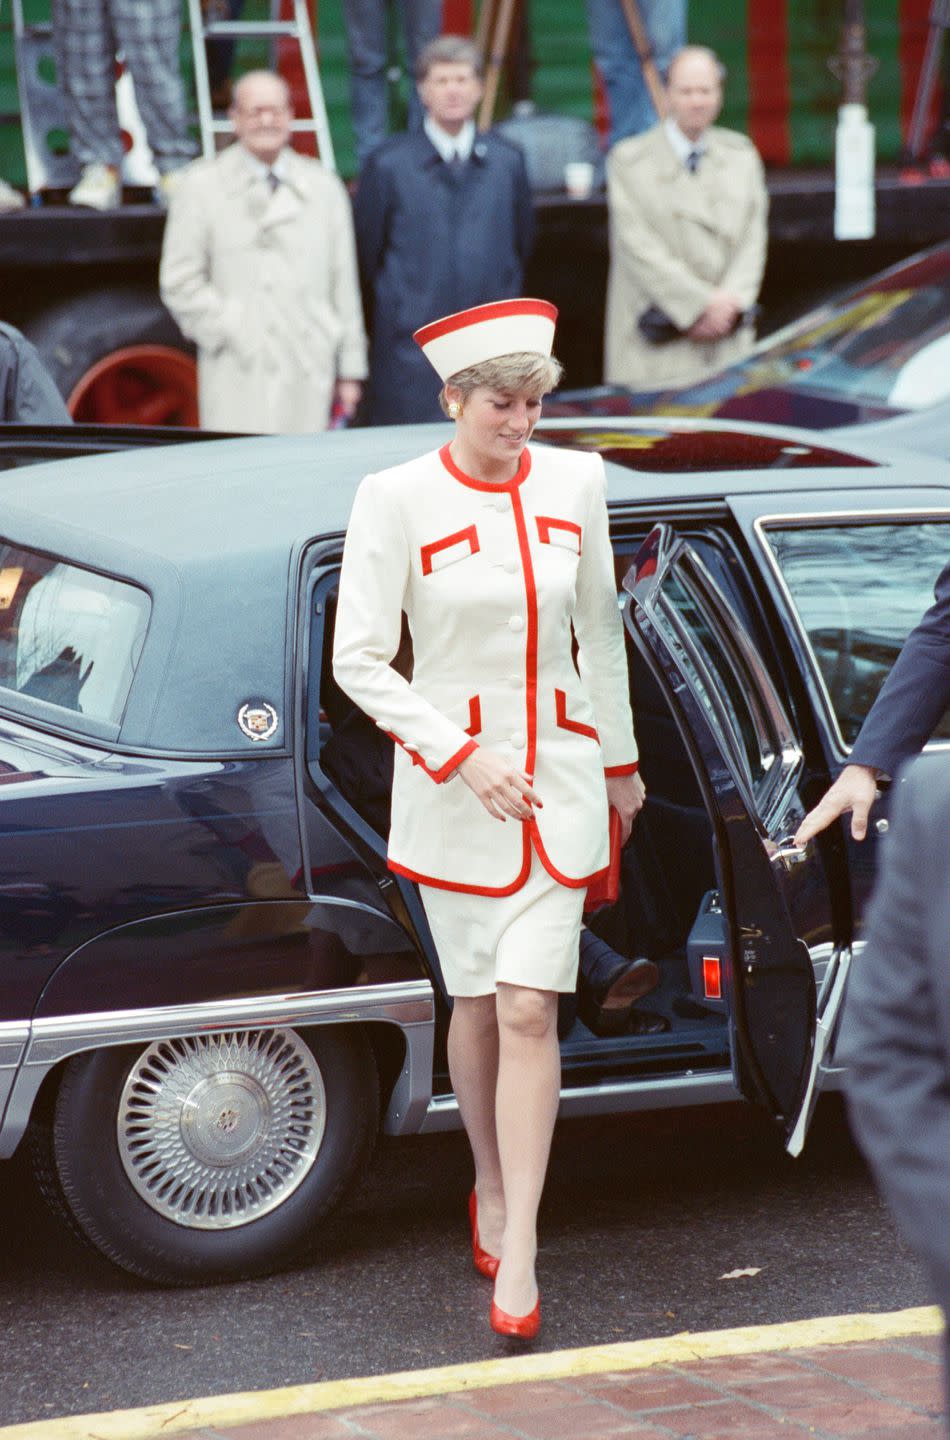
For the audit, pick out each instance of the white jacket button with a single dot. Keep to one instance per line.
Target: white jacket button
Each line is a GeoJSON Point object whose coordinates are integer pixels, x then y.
{"type": "Point", "coordinates": [518, 740]}
{"type": "Point", "coordinates": [516, 623]}
{"type": "Point", "coordinates": [510, 565]}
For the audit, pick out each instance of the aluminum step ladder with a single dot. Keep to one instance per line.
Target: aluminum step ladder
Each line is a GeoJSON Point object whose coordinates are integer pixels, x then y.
{"type": "Point", "coordinates": [296, 30]}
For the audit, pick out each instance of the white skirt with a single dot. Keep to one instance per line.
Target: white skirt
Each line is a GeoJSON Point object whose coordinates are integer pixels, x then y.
{"type": "Point", "coordinates": [528, 938]}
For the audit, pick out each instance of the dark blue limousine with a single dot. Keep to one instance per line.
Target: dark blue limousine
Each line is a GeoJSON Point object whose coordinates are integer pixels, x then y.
{"type": "Point", "coordinates": [213, 993]}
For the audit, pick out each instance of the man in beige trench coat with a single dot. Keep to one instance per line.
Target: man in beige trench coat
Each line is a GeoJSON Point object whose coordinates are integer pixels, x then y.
{"type": "Point", "coordinates": [259, 269]}
{"type": "Point", "coordinates": [688, 207]}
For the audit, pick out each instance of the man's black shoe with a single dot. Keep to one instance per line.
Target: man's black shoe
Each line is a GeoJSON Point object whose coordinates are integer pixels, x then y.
{"type": "Point", "coordinates": [609, 985]}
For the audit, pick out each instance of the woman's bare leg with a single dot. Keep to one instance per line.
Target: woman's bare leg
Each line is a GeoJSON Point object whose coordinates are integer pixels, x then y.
{"type": "Point", "coordinates": [473, 1066]}
{"type": "Point", "coordinates": [529, 1082]}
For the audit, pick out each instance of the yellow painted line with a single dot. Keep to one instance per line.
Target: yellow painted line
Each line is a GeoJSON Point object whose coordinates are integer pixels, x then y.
{"type": "Point", "coordinates": [251, 1406]}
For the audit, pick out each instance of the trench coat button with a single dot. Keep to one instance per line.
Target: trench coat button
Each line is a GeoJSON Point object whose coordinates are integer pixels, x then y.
{"type": "Point", "coordinates": [516, 623]}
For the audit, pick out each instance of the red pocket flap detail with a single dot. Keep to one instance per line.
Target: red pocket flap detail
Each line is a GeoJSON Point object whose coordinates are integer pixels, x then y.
{"type": "Point", "coordinates": [469, 534]}
{"type": "Point", "coordinates": [547, 523]}
{"type": "Point", "coordinates": [474, 716]}
{"type": "Point", "coordinates": [560, 715]}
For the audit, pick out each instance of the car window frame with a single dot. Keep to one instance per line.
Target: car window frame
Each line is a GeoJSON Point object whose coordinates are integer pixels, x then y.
{"type": "Point", "coordinates": [827, 519]}
{"type": "Point", "coordinates": [58, 719]}
{"type": "Point", "coordinates": [779, 747]}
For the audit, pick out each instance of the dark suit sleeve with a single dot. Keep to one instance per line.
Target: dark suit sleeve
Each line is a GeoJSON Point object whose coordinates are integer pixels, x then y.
{"type": "Point", "coordinates": [37, 400]}
{"type": "Point", "coordinates": [898, 1083]}
{"type": "Point", "coordinates": [915, 694]}
{"type": "Point", "coordinates": [371, 221]}
{"type": "Point", "coordinates": [524, 212]}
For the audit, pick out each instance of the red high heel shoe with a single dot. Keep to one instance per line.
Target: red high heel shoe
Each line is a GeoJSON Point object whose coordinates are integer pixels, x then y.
{"type": "Point", "coordinates": [522, 1327]}
{"type": "Point", "coordinates": [485, 1264]}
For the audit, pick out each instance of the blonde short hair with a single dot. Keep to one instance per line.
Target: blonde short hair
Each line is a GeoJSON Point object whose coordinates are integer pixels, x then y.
{"type": "Point", "coordinates": [519, 374]}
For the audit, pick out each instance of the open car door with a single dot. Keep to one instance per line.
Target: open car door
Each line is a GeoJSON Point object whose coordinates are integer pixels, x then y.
{"type": "Point", "coordinates": [749, 762]}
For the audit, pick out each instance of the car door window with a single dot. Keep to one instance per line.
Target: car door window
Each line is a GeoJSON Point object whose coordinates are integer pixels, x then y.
{"type": "Point", "coordinates": [727, 678]}
{"type": "Point", "coordinates": [858, 590]}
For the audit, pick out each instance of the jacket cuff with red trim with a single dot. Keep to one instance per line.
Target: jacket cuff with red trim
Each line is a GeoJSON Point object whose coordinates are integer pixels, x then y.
{"type": "Point", "coordinates": [611, 770]}
{"type": "Point", "coordinates": [444, 772]}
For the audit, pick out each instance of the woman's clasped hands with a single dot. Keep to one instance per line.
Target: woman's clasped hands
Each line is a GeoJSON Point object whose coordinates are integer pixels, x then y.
{"type": "Point", "coordinates": [501, 788]}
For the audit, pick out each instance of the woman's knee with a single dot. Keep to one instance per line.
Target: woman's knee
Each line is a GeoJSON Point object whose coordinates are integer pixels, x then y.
{"type": "Point", "coordinates": [526, 1012]}
{"type": "Point", "coordinates": [474, 1014]}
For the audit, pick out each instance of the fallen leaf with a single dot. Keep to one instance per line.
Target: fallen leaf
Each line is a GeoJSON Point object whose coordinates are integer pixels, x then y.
{"type": "Point", "coordinates": [183, 1347]}
{"type": "Point", "coordinates": [738, 1274]}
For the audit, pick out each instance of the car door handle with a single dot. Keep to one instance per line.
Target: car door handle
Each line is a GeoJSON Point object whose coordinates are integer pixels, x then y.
{"type": "Point", "coordinates": [789, 853]}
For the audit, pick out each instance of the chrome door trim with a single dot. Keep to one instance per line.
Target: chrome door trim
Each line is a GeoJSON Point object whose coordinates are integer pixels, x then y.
{"type": "Point", "coordinates": [830, 1000]}
{"type": "Point", "coordinates": [613, 1097]}
{"type": "Point", "coordinates": [410, 1005]}
{"type": "Point", "coordinates": [14, 1036]}
{"type": "Point", "coordinates": [814, 519]}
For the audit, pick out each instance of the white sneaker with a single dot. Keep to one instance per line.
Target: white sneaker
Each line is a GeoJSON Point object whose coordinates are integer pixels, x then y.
{"type": "Point", "coordinates": [10, 199]}
{"type": "Point", "coordinates": [99, 187]}
{"type": "Point", "coordinates": [167, 185]}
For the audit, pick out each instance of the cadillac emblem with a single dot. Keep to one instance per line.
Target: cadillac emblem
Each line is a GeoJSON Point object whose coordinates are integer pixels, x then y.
{"type": "Point", "coordinates": [257, 719]}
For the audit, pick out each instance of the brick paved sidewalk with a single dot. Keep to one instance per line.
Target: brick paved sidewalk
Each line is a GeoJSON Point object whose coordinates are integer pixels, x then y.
{"type": "Point", "coordinates": [880, 1390]}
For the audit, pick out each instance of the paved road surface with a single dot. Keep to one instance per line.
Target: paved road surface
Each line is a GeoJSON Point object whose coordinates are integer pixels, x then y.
{"type": "Point", "coordinates": [641, 1218]}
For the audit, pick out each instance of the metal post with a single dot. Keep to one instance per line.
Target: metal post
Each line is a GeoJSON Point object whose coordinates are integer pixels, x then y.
{"type": "Point", "coordinates": [854, 138]}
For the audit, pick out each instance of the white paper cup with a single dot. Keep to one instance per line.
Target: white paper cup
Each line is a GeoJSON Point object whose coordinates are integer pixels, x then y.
{"type": "Point", "coordinates": [579, 178]}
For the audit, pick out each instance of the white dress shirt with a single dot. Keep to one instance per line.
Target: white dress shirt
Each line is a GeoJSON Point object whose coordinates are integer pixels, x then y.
{"type": "Point", "coordinates": [682, 145]}
{"type": "Point", "coordinates": [448, 145]}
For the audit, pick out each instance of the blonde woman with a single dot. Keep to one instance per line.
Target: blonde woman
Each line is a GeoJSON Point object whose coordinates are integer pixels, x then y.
{"type": "Point", "coordinates": [507, 753]}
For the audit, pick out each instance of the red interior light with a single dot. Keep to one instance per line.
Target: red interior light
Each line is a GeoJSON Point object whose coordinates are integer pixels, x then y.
{"type": "Point", "coordinates": [712, 977]}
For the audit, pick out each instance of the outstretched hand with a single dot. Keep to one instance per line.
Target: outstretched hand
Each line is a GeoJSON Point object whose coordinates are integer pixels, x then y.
{"type": "Point", "coordinates": [503, 790]}
{"type": "Point", "coordinates": [856, 790]}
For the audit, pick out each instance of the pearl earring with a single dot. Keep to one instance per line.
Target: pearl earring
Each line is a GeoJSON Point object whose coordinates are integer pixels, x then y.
{"type": "Point", "coordinates": [455, 409]}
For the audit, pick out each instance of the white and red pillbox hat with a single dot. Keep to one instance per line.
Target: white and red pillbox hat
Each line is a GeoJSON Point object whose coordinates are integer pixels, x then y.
{"type": "Point", "coordinates": [505, 327]}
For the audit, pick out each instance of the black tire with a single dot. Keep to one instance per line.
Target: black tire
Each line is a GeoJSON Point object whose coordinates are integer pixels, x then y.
{"type": "Point", "coordinates": [76, 334]}
{"type": "Point", "coordinates": [80, 1169]}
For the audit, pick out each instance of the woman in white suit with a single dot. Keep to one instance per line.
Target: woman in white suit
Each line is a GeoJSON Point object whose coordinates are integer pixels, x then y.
{"type": "Point", "coordinates": [507, 751]}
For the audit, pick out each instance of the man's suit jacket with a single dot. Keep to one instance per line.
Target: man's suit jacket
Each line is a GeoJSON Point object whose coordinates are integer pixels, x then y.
{"type": "Point", "coordinates": [895, 1035]}
{"type": "Point", "coordinates": [674, 238]}
{"type": "Point", "coordinates": [915, 694]}
{"type": "Point", "coordinates": [495, 581]}
{"type": "Point", "coordinates": [266, 285]}
{"type": "Point", "coordinates": [27, 393]}
{"type": "Point", "coordinates": [433, 241]}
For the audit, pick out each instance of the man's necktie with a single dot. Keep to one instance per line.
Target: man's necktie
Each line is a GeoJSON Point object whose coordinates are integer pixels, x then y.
{"type": "Point", "coordinates": [692, 161]}
{"type": "Point", "coordinates": [272, 180]}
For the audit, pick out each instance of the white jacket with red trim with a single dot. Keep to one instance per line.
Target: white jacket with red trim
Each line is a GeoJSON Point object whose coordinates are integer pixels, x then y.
{"type": "Point", "coordinates": [492, 579]}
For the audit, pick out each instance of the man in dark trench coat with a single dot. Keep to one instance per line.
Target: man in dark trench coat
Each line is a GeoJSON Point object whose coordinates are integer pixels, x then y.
{"type": "Point", "coordinates": [444, 221]}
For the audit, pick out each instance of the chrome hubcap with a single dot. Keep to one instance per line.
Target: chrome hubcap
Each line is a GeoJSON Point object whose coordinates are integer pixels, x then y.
{"type": "Point", "coordinates": [215, 1131]}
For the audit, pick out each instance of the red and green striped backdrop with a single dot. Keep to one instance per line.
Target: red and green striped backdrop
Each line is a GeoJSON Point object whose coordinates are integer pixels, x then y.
{"type": "Point", "coordinates": [780, 88]}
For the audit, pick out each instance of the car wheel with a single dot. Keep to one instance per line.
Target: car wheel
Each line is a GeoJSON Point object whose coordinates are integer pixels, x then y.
{"type": "Point", "coordinates": [118, 358]}
{"type": "Point", "coordinates": [212, 1157]}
